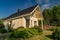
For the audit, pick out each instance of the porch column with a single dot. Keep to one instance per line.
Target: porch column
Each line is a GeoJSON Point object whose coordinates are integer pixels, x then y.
{"type": "Point", "coordinates": [42, 23]}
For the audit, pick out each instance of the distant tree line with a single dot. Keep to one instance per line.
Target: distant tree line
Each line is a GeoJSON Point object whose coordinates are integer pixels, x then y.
{"type": "Point", "coordinates": [52, 16]}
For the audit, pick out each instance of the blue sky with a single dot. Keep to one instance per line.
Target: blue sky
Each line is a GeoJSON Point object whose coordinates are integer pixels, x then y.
{"type": "Point", "coordinates": [7, 7]}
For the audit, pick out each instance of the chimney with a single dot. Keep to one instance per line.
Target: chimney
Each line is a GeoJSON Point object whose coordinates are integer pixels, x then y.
{"type": "Point", "coordinates": [18, 10]}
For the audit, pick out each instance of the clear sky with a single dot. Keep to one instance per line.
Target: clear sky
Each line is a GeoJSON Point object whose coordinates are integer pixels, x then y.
{"type": "Point", "coordinates": [7, 7]}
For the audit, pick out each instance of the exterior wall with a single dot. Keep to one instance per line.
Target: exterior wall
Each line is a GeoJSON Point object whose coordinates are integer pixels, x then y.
{"type": "Point", "coordinates": [32, 19]}
{"type": "Point", "coordinates": [17, 23]}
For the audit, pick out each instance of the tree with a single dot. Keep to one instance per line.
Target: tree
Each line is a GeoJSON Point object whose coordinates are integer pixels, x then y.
{"type": "Point", "coordinates": [56, 11]}
{"type": "Point", "coordinates": [52, 16]}
{"type": "Point", "coordinates": [47, 13]}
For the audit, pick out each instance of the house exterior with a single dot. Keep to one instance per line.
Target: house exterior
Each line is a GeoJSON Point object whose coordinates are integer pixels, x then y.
{"type": "Point", "coordinates": [25, 18]}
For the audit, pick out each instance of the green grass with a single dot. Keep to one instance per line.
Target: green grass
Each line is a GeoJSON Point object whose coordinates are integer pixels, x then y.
{"type": "Point", "coordinates": [44, 37]}
{"type": "Point", "coordinates": [38, 37]}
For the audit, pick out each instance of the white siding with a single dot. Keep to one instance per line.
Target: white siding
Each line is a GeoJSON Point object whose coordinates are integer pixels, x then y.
{"type": "Point", "coordinates": [19, 22]}
{"type": "Point", "coordinates": [33, 19]}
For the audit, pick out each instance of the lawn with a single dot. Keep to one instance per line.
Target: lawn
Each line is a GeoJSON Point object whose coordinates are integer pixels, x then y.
{"type": "Point", "coordinates": [44, 36]}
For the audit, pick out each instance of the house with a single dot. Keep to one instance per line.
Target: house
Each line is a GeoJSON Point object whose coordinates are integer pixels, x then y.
{"type": "Point", "coordinates": [25, 18]}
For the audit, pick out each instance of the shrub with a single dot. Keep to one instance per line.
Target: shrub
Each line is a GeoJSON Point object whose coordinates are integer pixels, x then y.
{"type": "Point", "coordinates": [33, 31]}
{"type": "Point", "coordinates": [21, 34]}
{"type": "Point", "coordinates": [26, 32]}
{"type": "Point", "coordinates": [2, 30]}
{"type": "Point", "coordinates": [39, 30]}
{"type": "Point", "coordinates": [19, 29]}
{"type": "Point", "coordinates": [56, 34]}
{"type": "Point", "coordinates": [10, 27]}
{"type": "Point", "coordinates": [1, 24]}
{"type": "Point", "coordinates": [51, 29]}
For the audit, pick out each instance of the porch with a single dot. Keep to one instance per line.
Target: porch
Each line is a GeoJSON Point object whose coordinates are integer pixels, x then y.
{"type": "Point", "coordinates": [31, 23]}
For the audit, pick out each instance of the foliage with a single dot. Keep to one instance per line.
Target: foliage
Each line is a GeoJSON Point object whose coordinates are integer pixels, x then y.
{"type": "Point", "coordinates": [2, 30]}
{"type": "Point", "coordinates": [26, 32]}
{"type": "Point", "coordinates": [10, 26]}
{"type": "Point", "coordinates": [52, 16]}
{"type": "Point", "coordinates": [51, 29]}
{"type": "Point", "coordinates": [56, 34]}
{"type": "Point", "coordinates": [39, 30]}
{"type": "Point", "coordinates": [1, 24]}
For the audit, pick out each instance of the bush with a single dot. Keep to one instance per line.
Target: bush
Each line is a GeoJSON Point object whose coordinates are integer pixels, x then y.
{"type": "Point", "coordinates": [21, 34]}
{"type": "Point", "coordinates": [1, 24]}
{"type": "Point", "coordinates": [2, 30]}
{"type": "Point", "coordinates": [9, 27]}
{"type": "Point", "coordinates": [56, 34]}
{"type": "Point", "coordinates": [19, 29]}
{"type": "Point", "coordinates": [38, 30]}
{"type": "Point", "coordinates": [51, 29]}
{"type": "Point", "coordinates": [26, 32]}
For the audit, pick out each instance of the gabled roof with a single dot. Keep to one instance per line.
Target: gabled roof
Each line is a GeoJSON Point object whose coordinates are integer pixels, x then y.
{"type": "Point", "coordinates": [23, 12]}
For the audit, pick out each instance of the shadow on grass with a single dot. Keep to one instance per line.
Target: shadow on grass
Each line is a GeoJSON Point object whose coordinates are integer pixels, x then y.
{"type": "Point", "coordinates": [49, 36]}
